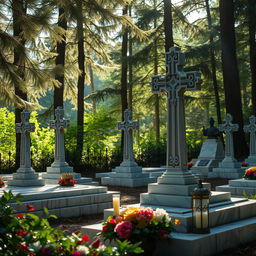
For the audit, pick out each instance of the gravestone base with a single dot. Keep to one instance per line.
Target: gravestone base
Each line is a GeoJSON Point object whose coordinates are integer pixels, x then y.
{"type": "Point", "coordinates": [128, 174]}
{"type": "Point", "coordinates": [25, 177]}
{"type": "Point", "coordinates": [211, 154]}
{"type": "Point", "coordinates": [63, 201]}
{"type": "Point", "coordinates": [239, 187]}
{"type": "Point", "coordinates": [228, 173]}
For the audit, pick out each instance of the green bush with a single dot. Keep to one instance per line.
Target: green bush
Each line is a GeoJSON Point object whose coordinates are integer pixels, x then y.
{"type": "Point", "coordinates": [29, 235]}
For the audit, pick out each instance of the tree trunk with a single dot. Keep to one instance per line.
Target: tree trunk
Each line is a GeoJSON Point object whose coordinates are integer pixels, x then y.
{"type": "Point", "coordinates": [168, 25]}
{"type": "Point", "coordinates": [231, 75]}
{"type": "Point", "coordinates": [80, 83]}
{"type": "Point", "coordinates": [60, 62]}
{"type": "Point", "coordinates": [157, 110]}
{"type": "Point", "coordinates": [213, 64]}
{"type": "Point", "coordinates": [92, 88]}
{"type": "Point", "coordinates": [252, 44]}
{"type": "Point", "coordinates": [18, 10]}
{"type": "Point", "coordinates": [124, 68]}
{"type": "Point", "coordinates": [130, 67]}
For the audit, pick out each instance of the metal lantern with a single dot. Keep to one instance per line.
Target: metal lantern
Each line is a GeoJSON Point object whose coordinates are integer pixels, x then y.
{"type": "Point", "coordinates": [200, 209]}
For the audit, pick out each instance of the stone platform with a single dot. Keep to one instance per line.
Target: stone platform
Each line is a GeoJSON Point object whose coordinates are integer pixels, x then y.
{"type": "Point", "coordinates": [63, 201]}
{"type": "Point", "coordinates": [239, 187]}
{"type": "Point", "coordinates": [220, 238]}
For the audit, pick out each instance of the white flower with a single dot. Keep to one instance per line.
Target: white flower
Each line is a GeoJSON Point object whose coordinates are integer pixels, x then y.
{"type": "Point", "coordinates": [102, 247]}
{"type": "Point", "coordinates": [159, 213]}
{"type": "Point", "coordinates": [83, 249]}
{"type": "Point", "coordinates": [36, 246]}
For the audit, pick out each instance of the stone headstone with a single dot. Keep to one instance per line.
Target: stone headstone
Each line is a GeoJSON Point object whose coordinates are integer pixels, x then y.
{"type": "Point", "coordinates": [128, 174]}
{"type": "Point", "coordinates": [251, 128]}
{"type": "Point", "coordinates": [229, 167]}
{"type": "Point", "coordinates": [176, 178]}
{"type": "Point", "coordinates": [60, 165]}
{"type": "Point", "coordinates": [211, 153]}
{"type": "Point", "coordinates": [25, 175]}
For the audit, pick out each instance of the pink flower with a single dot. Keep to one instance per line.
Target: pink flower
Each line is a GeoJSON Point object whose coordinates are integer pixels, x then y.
{"type": "Point", "coordinates": [145, 213]}
{"type": "Point", "coordinates": [76, 253]}
{"type": "Point", "coordinates": [112, 221]}
{"type": "Point", "coordinates": [124, 229]}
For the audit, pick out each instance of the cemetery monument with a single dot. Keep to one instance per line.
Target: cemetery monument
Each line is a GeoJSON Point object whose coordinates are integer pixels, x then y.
{"type": "Point", "coordinates": [128, 174]}
{"type": "Point", "coordinates": [211, 152]}
{"type": "Point", "coordinates": [25, 176]}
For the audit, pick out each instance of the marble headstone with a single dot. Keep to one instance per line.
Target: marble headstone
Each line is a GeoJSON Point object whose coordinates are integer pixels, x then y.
{"type": "Point", "coordinates": [211, 152]}
{"type": "Point", "coordinates": [25, 175]}
{"type": "Point", "coordinates": [128, 174]}
{"type": "Point", "coordinates": [229, 167]}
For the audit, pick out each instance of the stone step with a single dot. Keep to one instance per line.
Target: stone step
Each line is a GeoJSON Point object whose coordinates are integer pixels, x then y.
{"type": "Point", "coordinates": [238, 191]}
{"type": "Point", "coordinates": [178, 200]}
{"type": "Point", "coordinates": [127, 182]}
{"type": "Point", "coordinates": [189, 244]}
{"type": "Point", "coordinates": [64, 201]}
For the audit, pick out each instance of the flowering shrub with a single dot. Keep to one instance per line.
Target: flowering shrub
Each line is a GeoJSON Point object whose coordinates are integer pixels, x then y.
{"type": "Point", "coordinates": [138, 224]}
{"type": "Point", "coordinates": [67, 180]}
{"type": "Point", "coordinates": [250, 173]}
{"type": "Point", "coordinates": [2, 183]}
{"type": "Point", "coordinates": [29, 235]}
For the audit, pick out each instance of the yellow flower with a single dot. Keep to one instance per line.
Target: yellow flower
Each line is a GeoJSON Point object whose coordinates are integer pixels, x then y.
{"type": "Point", "coordinates": [130, 213]}
{"type": "Point", "coordinates": [177, 222]}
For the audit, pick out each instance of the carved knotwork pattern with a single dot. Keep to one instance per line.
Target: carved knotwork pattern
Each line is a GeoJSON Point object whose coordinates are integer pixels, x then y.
{"type": "Point", "coordinates": [174, 161]}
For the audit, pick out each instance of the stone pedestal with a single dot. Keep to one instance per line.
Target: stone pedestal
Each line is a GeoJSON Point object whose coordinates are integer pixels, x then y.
{"type": "Point", "coordinates": [128, 174]}
{"type": "Point", "coordinates": [239, 187]}
{"type": "Point", "coordinates": [210, 156]}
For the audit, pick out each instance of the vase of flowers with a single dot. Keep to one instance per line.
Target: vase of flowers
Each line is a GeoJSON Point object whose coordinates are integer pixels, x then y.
{"type": "Point", "coordinates": [250, 173]}
{"type": "Point", "coordinates": [67, 180]}
{"type": "Point", "coordinates": [2, 183]}
{"type": "Point", "coordinates": [139, 224]}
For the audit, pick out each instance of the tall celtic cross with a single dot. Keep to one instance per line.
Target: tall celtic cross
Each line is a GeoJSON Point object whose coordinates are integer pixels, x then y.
{"type": "Point", "coordinates": [251, 128]}
{"type": "Point", "coordinates": [24, 128]}
{"type": "Point", "coordinates": [175, 83]}
{"type": "Point", "coordinates": [228, 127]}
{"type": "Point", "coordinates": [59, 124]}
{"type": "Point", "coordinates": [127, 126]}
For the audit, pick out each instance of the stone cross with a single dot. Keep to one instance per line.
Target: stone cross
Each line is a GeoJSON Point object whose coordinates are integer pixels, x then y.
{"type": "Point", "coordinates": [24, 128]}
{"type": "Point", "coordinates": [228, 127]}
{"type": "Point", "coordinates": [251, 128]}
{"type": "Point", "coordinates": [59, 124]}
{"type": "Point", "coordinates": [127, 126]}
{"type": "Point", "coordinates": [175, 83]}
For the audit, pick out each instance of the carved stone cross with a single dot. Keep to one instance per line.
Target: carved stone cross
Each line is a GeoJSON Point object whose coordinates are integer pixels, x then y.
{"type": "Point", "coordinates": [24, 128]}
{"type": "Point", "coordinates": [228, 127]}
{"type": "Point", "coordinates": [175, 83]}
{"type": "Point", "coordinates": [59, 124]}
{"type": "Point", "coordinates": [127, 126]}
{"type": "Point", "coordinates": [251, 128]}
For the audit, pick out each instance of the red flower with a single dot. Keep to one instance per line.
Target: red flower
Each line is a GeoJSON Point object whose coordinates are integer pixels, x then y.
{"type": "Point", "coordinates": [96, 243]}
{"type": "Point", "coordinates": [76, 253]}
{"type": "Point", "coordinates": [23, 246]}
{"type": "Point", "coordinates": [85, 238]}
{"type": "Point", "coordinates": [244, 164]}
{"type": "Point", "coordinates": [21, 233]}
{"type": "Point", "coordinates": [20, 216]}
{"type": "Point", "coordinates": [46, 251]}
{"type": "Point", "coordinates": [104, 228]}
{"type": "Point", "coordinates": [190, 164]}
{"type": "Point", "coordinates": [112, 221]}
{"type": "Point", "coordinates": [124, 229]}
{"type": "Point", "coordinates": [30, 207]}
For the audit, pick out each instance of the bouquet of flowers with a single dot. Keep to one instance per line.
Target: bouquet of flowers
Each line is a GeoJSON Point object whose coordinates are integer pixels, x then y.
{"type": "Point", "coordinates": [138, 224]}
{"type": "Point", "coordinates": [250, 173]}
{"type": "Point", "coordinates": [66, 180]}
{"type": "Point", "coordinates": [2, 183]}
{"type": "Point", "coordinates": [244, 164]}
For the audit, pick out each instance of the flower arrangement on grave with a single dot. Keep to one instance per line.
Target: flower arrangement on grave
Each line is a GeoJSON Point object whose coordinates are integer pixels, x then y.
{"type": "Point", "coordinates": [250, 173]}
{"type": "Point", "coordinates": [2, 183]}
{"type": "Point", "coordinates": [139, 224]}
{"type": "Point", "coordinates": [29, 235]}
{"type": "Point", "coordinates": [66, 180]}
{"type": "Point", "coordinates": [189, 164]}
{"type": "Point", "coordinates": [244, 164]}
